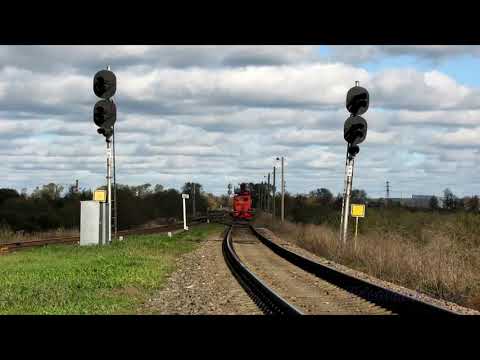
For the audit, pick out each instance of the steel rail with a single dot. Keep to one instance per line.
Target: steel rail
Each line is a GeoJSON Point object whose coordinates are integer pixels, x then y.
{"type": "Point", "coordinates": [399, 303]}
{"type": "Point", "coordinates": [265, 298]}
{"type": "Point", "coordinates": [8, 247]}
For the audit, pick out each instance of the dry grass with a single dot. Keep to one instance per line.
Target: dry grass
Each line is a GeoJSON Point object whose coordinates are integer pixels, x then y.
{"type": "Point", "coordinates": [444, 264]}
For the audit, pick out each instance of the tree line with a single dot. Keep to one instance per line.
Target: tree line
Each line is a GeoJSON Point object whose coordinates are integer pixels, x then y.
{"type": "Point", "coordinates": [50, 207]}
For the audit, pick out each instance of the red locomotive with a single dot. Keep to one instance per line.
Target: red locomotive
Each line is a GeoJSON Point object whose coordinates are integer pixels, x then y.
{"type": "Point", "coordinates": [242, 204]}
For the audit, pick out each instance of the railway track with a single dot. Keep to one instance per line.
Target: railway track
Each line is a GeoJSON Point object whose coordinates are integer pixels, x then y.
{"type": "Point", "coordinates": [72, 240]}
{"type": "Point", "coordinates": [285, 283]}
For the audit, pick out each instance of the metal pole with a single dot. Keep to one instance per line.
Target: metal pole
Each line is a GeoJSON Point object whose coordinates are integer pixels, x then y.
{"type": "Point", "coordinates": [268, 195]}
{"type": "Point", "coordinates": [260, 195]}
{"type": "Point", "coordinates": [193, 206]}
{"type": "Point", "coordinates": [265, 195]}
{"type": "Point", "coordinates": [283, 195]}
{"type": "Point", "coordinates": [273, 197]}
{"type": "Point", "coordinates": [343, 198]}
{"type": "Point", "coordinates": [356, 231]}
{"type": "Point", "coordinates": [109, 191]}
{"type": "Point", "coordinates": [349, 175]}
{"type": "Point", "coordinates": [115, 204]}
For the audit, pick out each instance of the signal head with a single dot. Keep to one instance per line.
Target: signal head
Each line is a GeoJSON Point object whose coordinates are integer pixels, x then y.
{"type": "Point", "coordinates": [357, 100]}
{"type": "Point", "coordinates": [105, 113]}
{"type": "Point", "coordinates": [104, 84]}
{"type": "Point", "coordinates": [355, 130]}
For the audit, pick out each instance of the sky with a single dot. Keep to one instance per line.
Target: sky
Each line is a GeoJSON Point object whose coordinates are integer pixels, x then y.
{"type": "Point", "coordinates": [223, 114]}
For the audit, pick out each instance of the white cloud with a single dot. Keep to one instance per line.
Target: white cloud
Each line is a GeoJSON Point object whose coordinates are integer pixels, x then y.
{"type": "Point", "coordinates": [217, 114]}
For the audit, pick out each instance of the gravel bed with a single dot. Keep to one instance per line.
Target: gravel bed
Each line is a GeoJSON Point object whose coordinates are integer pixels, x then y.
{"type": "Point", "coordinates": [202, 285]}
{"type": "Point", "coordinates": [300, 251]}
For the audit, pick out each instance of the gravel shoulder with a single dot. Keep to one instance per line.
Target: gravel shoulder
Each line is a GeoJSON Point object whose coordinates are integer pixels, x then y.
{"type": "Point", "coordinates": [300, 251]}
{"type": "Point", "coordinates": [201, 285]}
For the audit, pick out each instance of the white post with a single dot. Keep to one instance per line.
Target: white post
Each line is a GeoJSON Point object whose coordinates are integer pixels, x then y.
{"type": "Point", "coordinates": [184, 197]}
{"type": "Point", "coordinates": [348, 190]}
{"type": "Point", "coordinates": [109, 192]}
{"type": "Point", "coordinates": [283, 194]}
{"type": "Point", "coordinates": [184, 215]}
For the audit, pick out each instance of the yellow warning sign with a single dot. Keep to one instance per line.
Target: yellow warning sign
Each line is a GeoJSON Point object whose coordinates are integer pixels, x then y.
{"type": "Point", "coordinates": [100, 195]}
{"type": "Point", "coordinates": [358, 210]}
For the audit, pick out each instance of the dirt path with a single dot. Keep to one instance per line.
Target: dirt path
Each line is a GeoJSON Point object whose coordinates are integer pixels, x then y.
{"type": "Point", "coordinates": [202, 285]}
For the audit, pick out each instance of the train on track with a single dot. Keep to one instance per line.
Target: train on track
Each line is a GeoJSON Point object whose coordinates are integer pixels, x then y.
{"type": "Point", "coordinates": [242, 208]}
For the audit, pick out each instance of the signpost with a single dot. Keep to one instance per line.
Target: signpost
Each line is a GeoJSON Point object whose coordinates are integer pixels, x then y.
{"type": "Point", "coordinates": [185, 196]}
{"type": "Point", "coordinates": [354, 133]}
{"type": "Point", "coordinates": [357, 211]}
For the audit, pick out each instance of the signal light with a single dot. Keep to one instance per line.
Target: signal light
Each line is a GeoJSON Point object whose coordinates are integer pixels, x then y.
{"type": "Point", "coordinates": [104, 84]}
{"type": "Point", "coordinates": [105, 113]}
{"type": "Point", "coordinates": [357, 100]}
{"type": "Point", "coordinates": [355, 130]}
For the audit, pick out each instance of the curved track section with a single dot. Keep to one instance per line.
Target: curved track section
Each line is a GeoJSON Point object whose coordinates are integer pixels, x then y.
{"type": "Point", "coordinates": [265, 298]}
{"type": "Point", "coordinates": [398, 303]}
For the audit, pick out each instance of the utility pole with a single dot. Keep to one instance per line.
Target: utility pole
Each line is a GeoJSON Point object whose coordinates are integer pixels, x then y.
{"type": "Point", "coordinates": [268, 195]}
{"type": "Point", "coordinates": [273, 197]}
{"type": "Point", "coordinates": [261, 196]}
{"type": "Point", "coordinates": [193, 205]}
{"type": "Point", "coordinates": [387, 194]}
{"type": "Point", "coordinates": [265, 193]}
{"type": "Point", "coordinates": [283, 195]}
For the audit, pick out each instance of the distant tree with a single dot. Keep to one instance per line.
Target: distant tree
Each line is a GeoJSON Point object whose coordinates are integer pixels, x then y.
{"type": "Point", "coordinates": [187, 188]}
{"type": "Point", "coordinates": [358, 196]}
{"type": "Point", "coordinates": [50, 191]}
{"type": "Point", "coordinates": [433, 203]}
{"type": "Point", "coordinates": [338, 201]}
{"type": "Point", "coordinates": [450, 201]}
{"type": "Point", "coordinates": [472, 203]}
{"type": "Point", "coordinates": [323, 196]}
{"type": "Point", "coordinates": [142, 190]}
{"type": "Point", "coordinates": [6, 194]}
{"type": "Point", "coordinates": [158, 188]}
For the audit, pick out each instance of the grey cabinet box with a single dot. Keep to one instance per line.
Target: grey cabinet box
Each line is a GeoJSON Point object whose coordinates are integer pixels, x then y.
{"type": "Point", "coordinates": [93, 214]}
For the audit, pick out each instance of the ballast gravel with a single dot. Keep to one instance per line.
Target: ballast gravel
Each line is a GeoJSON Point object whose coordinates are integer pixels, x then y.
{"type": "Point", "coordinates": [202, 285]}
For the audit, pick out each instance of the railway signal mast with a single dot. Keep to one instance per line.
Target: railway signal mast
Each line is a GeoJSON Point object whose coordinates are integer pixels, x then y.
{"type": "Point", "coordinates": [354, 133]}
{"type": "Point", "coordinates": [104, 116]}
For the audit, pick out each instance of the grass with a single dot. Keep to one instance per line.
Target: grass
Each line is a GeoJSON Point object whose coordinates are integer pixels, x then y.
{"type": "Point", "coordinates": [437, 254]}
{"type": "Point", "coordinates": [115, 279]}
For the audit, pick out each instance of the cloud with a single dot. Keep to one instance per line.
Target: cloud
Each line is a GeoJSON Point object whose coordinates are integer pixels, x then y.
{"type": "Point", "coordinates": [223, 114]}
{"type": "Point", "coordinates": [366, 53]}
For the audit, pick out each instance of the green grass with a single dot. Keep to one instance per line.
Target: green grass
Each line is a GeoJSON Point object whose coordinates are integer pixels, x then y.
{"type": "Point", "coordinates": [113, 279]}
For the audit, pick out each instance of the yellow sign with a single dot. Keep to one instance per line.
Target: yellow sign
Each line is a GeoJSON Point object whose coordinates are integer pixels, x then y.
{"type": "Point", "coordinates": [358, 210]}
{"type": "Point", "coordinates": [100, 195]}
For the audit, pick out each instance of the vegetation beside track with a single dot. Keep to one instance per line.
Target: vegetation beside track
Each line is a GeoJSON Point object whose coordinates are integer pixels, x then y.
{"type": "Point", "coordinates": [437, 254]}
{"type": "Point", "coordinates": [92, 280]}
